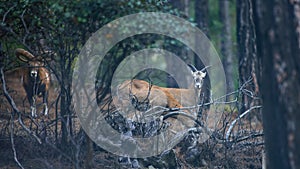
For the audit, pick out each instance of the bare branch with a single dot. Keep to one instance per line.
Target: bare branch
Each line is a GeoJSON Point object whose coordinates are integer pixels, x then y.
{"type": "Point", "coordinates": [249, 137]}
{"type": "Point", "coordinates": [25, 26]}
{"type": "Point", "coordinates": [7, 12]}
{"type": "Point", "coordinates": [14, 107]}
{"type": "Point", "coordinates": [13, 142]}
{"type": "Point", "coordinates": [239, 117]}
{"type": "Point", "coordinates": [16, 36]}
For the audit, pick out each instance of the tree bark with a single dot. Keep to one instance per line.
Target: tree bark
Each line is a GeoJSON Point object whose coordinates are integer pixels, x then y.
{"type": "Point", "coordinates": [278, 46]}
{"type": "Point", "coordinates": [179, 4]}
{"type": "Point", "coordinates": [226, 44]}
{"type": "Point", "coordinates": [201, 18]}
{"type": "Point", "coordinates": [249, 64]}
{"type": "Point", "coordinates": [201, 15]}
{"type": "Point", "coordinates": [183, 7]}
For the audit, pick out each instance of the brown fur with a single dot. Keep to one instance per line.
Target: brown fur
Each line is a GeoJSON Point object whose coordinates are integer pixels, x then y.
{"type": "Point", "coordinates": [37, 85]}
{"type": "Point", "coordinates": [163, 97]}
{"type": "Point", "coordinates": [160, 96]}
{"type": "Point", "coordinates": [135, 92]}
{"type": "Point", "coordinates": [141, 95]}
{"type": "Point", "coordinates": [157, 96]}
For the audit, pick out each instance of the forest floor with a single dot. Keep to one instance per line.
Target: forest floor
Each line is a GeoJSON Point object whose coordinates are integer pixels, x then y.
{"type": "Point", "coordinates": [31, 154]}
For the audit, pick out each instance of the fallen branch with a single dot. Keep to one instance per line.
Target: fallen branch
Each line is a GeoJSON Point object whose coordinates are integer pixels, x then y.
{"type": "Point", "coordinates": [238, 118]}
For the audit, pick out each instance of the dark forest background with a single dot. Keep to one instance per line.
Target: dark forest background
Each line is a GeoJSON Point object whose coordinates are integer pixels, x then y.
{"type": "Point", "coordinates": [257, 41]}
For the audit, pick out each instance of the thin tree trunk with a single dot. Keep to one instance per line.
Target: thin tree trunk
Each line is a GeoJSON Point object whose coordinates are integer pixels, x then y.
{"type": "Point", "coordinates": [179, 4]}
{"type": "Point", "coordinates": [249, 64]}
{"type": "Point", "coordinates": [226, 44]}
{"type": "Point", "coordinates": [201, 18]}
{"type": "Point", "coordinates": [89, 152]}
{"type": "Point", "coordinates": [63, 112]}
{"type": "Point", "coordinates": [201, 15]}
{"type": "Point", "coordinates": [183, 6]}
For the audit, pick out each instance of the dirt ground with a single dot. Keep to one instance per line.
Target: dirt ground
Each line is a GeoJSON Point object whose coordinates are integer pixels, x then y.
{"type": "Point", "coordinates": [29, 152]}
{"type": "Point", "coordinates": [17, 92]}
{"type": "Point", "coordinates": [45, 155]}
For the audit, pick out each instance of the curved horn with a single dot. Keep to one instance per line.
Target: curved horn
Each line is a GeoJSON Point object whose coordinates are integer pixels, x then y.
{"type": "Point", "coordinates": [192, 67]}
{"type": "Point", "coordinates": [205, 68]}
{"type": "Point", "coordinates": [24, 55]}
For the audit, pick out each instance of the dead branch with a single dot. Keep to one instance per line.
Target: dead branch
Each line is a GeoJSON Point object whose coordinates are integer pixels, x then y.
{"type": "Point", "coordinates": [14, 107]}
{"type": "Point", "coordinates": [25, 25]}
{"type": "Point", "coordinates": [249, 137]}
{"type": "Point", "coordinates": [13, 142]}
{"type": "Point", "coordinates": [238, 118]}
{"type": "Point", "coordinates": [7, 12]}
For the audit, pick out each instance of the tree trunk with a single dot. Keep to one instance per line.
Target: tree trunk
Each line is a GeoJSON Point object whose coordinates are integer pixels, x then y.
{"type": "Point", "coordinates": [201, 18]}
{"type": "Point", "coordinates": [226, 44]}
{"type": "Point", "coordinates": [63, 113]}
{"type": "Point", "coordinates": [89, 152]}
{"type": "Point", "coordinates": [201, 15]}
{"type": "Point", "coordinates": [65, 103]}
{"type": "Point", "coordinates": [249, 63]}
{"type": "Point", "coordinates": [179, 4]}
{"type": "Point", "coordinates": [278, 46]}
{"type": "Point", "coordinates": [183, 7]}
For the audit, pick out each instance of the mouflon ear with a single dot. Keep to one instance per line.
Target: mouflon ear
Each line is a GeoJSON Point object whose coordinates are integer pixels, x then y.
{"type": "Point", "coordinates": [24, 55]}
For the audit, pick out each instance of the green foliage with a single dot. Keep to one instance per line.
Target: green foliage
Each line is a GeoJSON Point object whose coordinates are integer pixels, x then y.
{"type": "Point", "coordinates": [34, 18]}
{"type": "Point", "coordinates": [66, 25]}
{"type": "Point", "coordinates": [215, 29]}
{"type": "Point", "coordinates": [63, 25]}
{"type": "Point", "coordinates": [215, 26]}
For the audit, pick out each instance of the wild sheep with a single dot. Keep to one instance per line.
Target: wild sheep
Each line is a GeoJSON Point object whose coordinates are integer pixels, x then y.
{"type": "Point", "coordinates": [35, 79]}
{"type": "Point", "coordinates": [143, 96]}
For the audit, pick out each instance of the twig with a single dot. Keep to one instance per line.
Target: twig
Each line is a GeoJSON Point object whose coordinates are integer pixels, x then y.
{"type": "Point", "coordinates": [13, 142]}
{"type": "Point", "coordinates": [14, 107]}
{"type": "Point", "coordinates": [15, 35]}
{"type": "Point", "coordinates": [25, 26]}
{"type": "Point", "coordinates": [249, 137]}
{"type": "Point", "coordinates": [239, 117]}
{"type": "Point", "coordinates": [6, 13]}
{"type": "Point", "coordinates": [226, 95]}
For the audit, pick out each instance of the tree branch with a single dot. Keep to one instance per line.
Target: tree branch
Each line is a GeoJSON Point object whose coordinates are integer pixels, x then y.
{"type": "Point", "coordinates": [12, 140]}
{"type": "Point", "coordinates": [14, 107]}
{"type": "Point", "coordinates": [238, 118]}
